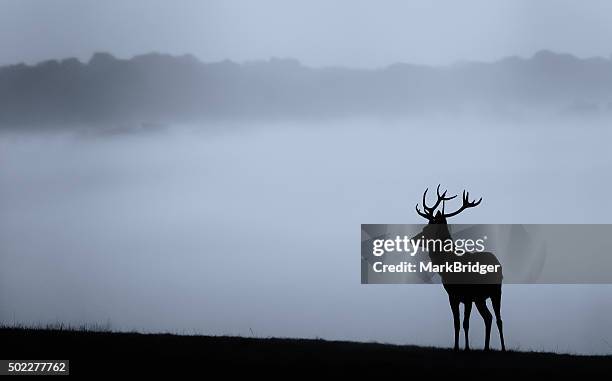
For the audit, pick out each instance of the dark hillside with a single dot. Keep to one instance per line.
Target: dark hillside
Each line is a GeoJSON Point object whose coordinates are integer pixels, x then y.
{"type": "Point", "coordinates": [114, 352]}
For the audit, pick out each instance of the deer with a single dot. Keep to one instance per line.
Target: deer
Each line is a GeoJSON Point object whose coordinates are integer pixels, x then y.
{"type": "Point", "coordinates": [472, 289]}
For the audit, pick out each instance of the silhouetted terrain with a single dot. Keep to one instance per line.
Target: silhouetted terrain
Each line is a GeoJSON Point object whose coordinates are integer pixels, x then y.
{"type": "Point", "coordinates": [101, 352]}
{"type": "Point", "coordinates": [164, 89]}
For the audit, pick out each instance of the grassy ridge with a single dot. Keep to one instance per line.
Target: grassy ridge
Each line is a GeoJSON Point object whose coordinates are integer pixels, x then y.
{"type": "Point", "coordinates": [111, 353]}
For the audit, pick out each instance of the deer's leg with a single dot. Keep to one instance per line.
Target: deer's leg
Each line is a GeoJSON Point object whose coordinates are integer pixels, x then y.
{"type": "Point", "coordinates": [488, 319]}
{"type": "Point", "coordinates": [496, 301]}
{"type": "Point", "coordinates": [466, 323]}
{"type": "Point", "coordinates": [454, 303]}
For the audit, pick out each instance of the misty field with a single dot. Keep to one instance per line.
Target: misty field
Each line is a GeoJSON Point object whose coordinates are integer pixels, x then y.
{"type": "Point", "coordinates": [225, 228]}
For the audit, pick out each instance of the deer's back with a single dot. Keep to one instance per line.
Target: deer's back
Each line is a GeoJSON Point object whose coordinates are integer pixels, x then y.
{"type": "Point", "coordinates": [487, 268]}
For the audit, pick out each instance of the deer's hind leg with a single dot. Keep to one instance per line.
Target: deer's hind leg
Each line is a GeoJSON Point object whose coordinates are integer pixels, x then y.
{"type": "Point", "coordinates": [496, 301]}
{"type": "Point", "coordinates": [454, 304]}
{"type": "Point", "coordinates": [481, 304]}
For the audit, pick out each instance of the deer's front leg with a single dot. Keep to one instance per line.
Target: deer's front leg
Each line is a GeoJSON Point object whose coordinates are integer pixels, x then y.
{"type": "Point", "coordinates": [466, 323]}
{"type": "Point", "coordinates": [454, 304]}
{"type": "Point", "coordinates": [488, 319]}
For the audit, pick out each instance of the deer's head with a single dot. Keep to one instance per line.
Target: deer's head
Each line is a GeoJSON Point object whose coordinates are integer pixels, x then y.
{"type": "Point", "coordinates": [437, 223]}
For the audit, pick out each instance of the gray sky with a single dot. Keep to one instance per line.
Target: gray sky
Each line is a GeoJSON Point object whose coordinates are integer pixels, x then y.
{"type": "Point", "coordinates": [317, 32]}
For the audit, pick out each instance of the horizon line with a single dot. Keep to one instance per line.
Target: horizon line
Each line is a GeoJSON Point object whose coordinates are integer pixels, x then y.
{"type": "Point", "coordinates": [540, 52]}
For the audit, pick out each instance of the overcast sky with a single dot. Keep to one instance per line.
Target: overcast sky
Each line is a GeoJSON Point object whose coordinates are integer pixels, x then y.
{"type": "Point", "coordinates": [317, 32]}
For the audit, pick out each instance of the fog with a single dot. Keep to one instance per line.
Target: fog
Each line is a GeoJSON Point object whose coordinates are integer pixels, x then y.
{"type": "Point", "coordinates": [253, 228]}
{"type": "Point", "coordinates": [354, 33]}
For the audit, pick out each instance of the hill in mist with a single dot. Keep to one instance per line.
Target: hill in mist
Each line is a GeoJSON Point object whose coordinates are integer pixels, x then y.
{"type": "Point", "coordinates": [112, 353]}
{"type": "Point", "coordinates": [169, 89]}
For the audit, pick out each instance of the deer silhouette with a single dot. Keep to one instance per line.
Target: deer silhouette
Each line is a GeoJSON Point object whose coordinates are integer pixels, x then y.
{"type": "Point", "coordinates": [462, 288]}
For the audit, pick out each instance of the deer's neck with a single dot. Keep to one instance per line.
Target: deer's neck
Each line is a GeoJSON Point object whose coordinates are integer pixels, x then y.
{"type": "Point", "coordinates": [437, 255]}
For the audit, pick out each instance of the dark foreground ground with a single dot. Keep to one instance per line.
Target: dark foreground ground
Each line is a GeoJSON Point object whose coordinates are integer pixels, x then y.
{"type": "Point", "coordinates": [114, 353]}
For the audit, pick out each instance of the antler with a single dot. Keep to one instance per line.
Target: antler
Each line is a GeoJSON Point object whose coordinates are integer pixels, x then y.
{"type": "Point", "coordinates": [466, 204]}
{"type": "Point", "coordinates": [424, 215]}
{"type": "Point", "coordinates": [428, 212]}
